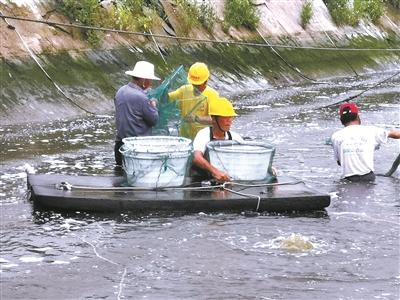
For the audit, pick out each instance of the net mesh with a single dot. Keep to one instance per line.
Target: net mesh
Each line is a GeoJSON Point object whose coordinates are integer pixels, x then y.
{"type": "Point", "coordinates": [155, 163]}
{"type": "Point", "coordinates": [178, 104]}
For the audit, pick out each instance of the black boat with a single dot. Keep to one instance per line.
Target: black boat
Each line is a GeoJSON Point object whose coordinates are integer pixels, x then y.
{"type": "Point", "coordinates": [111, 194]}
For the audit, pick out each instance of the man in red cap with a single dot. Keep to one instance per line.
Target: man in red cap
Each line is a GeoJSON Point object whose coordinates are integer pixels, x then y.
{"type": "Point", "coordinates": [354, 145]}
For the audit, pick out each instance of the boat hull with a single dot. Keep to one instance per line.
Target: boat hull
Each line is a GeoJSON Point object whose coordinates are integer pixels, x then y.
{"type": "Point", "coordinates": [108, 194]}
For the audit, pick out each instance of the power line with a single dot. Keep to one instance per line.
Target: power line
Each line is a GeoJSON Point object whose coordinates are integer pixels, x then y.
{"type": "Point", "coordinates": [228, 42]}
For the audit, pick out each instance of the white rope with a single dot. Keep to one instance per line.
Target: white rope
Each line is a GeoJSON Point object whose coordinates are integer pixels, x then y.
{"type": "Point", "coordinates": [136, 188]}
{"type": "Point", "coordinates": [97, 254]}
{"type": "Point", "coordinates": [208, 188]}
{"type": "Point", "coordinates": [246, 195]}
{"type": "Point", "coordinates": [121, 284]}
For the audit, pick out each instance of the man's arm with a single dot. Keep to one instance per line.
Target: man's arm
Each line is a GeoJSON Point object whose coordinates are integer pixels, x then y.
{"type": "Point", "coordinates": [205, 120]}
{"type": "Point", "coordinates": [201, 162]}
{"type": "Point", "coordinates": [150, 112]}
{"type": "Point", "coordinates": [336, 150]}
{"type": "Point", "coordinates": [394, 134]}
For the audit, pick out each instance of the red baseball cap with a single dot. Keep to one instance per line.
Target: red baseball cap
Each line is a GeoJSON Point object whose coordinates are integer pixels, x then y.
{"type": "Point", "coordinates": [347, 108]}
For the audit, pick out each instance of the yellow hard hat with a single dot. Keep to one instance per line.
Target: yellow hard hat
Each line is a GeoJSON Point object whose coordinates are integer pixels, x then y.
{"type": "Point", "coordinates": [221, 107]}
{"type": "Point", "coordinates": [198, 73]}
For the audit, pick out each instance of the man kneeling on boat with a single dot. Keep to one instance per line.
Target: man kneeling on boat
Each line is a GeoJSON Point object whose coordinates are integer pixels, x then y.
{"type": "Point", "coordinates": [222, 114]}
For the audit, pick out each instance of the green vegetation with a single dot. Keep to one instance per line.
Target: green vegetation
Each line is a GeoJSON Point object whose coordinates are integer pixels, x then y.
{"type": "Point", "coordinates": [134, 15]}
{"type": "Point", "coordinates": [125, 15]}
{"type": "Point", "coordinates": [241, 13]}
{"type": "Point", "coordinates": [207, 15]}
{"type": "Point", "coordinates": [193, 15]}
{"type": "Point", "coordinates": [306, 14]}
{"type": "Point", "coordinates": [395, 3]}
{"type": "Point", "coordinates": [346, 12]}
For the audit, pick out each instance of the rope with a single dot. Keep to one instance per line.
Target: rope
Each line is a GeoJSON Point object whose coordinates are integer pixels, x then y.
{"type": "Point", "coordinates": [199, 188]}
{"type": "Point", "coordinates": [245, 195]}
{"type": "Point", "coordinates": [196, 39]}
{"type": "Point", "coordinates": [394, 167]}
{"type": "Point", "coordinates": [286, 62]}
{"type": "Point", "coordinates": [341, 55]}
{"type": "Point", "coordinates": [158, 47]}
{"type": "Point", "coordinates": [359, 94]}
{"type": "Point", "coordinates": [67, 186]}
{"type": "Point", "coordinates": [33, 56]}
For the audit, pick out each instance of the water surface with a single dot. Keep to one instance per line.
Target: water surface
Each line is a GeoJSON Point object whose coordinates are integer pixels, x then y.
{"type": "Point", "coordinates": [355, 255]}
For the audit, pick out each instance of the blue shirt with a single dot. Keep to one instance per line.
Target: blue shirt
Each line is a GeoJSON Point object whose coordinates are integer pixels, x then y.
{"type": "Point", "coordinates": [134, 115]}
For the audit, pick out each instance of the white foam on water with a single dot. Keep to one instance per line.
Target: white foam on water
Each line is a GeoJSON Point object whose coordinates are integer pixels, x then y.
{"type": "Point", "coordinates": [362, 215]}
{"type": "Point", "coordinates": [60, 262]}
{"type": "Point", "coordinates": [31, 259]}
{"type": "Point", "coordinates": [295, 243]}
{"type": "Point", "coordinates": [257, 106]}
{"type": "Point", "coordinates": [76, 141]}
{"type": "Point", "coordinates": [44, 249]}
{"type": "Point", "coordinates": [13, 176]}
{"type": "Point", "coordinates": [9, 266]}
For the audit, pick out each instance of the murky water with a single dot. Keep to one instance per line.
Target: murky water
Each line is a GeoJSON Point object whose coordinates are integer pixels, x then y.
{"type": "Point", "coordinates": [355, 244]}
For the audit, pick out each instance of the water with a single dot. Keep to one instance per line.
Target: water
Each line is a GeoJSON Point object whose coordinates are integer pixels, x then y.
{"type": "Point", "coordinates": [355, 244]}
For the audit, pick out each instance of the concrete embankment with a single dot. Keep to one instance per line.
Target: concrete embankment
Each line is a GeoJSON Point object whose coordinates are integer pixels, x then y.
{"type": "Point", "coordinates": [48, 73]}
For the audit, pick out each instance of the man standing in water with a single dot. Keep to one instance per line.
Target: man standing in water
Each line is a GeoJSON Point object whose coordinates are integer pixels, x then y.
{"type": "Point", "coordinates": [354, 145]}
{"type": "Point", "coordinates": [135, 113]}
{"type": "Point", "coordinates": [193, 100]}
{"type": "Point", "coordinates": [222, 114]}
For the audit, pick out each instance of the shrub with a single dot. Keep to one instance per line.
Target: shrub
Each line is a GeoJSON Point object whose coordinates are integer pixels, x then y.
{"type": "Point", "coordinates": [125, 15]}
{"type": "Point", "coordinates": [194, 14]}
{"type": "Point", "coordinates": [343, 13]}
{"type": "Point", "coordinates": [306, 14]}
{"type": "Point", "coordinates": [189, 16]}
{"type": "Point", "coordinates": [241, 13]}
{"type": "Point", "coordinates": [395, 3]}
{"type": "Point", "coordinates": [207, 15]}
{"type": "Point", "coordinates": [87, 12]}
{"type": "Point", "coordinates": [373, 9]}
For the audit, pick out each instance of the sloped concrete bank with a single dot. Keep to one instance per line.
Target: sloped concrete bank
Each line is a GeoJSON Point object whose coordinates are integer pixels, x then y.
{"type": "Point", "coordinates": [81, 79]}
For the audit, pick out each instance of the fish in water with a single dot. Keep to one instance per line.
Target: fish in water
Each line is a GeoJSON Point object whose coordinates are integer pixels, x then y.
{"type": "Point", "coordinates": [296, 242]}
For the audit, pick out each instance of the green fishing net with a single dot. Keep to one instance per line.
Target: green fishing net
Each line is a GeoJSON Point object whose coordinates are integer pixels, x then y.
{"type": "Point", "coordinates": [178, 103]}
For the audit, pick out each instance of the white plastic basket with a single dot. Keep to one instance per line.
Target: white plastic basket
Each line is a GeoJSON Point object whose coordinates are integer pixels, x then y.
{"type": "Point", "coordinates": [156, 161]}
{"type": "Point", "coordinates": [244, 161]}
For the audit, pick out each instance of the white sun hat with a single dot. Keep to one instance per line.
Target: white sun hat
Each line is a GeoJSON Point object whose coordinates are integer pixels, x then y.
{"type": "Point", "coordinates": [143, 69]}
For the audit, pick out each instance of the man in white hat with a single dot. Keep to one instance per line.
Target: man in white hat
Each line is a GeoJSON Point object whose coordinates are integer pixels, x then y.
{"type": "Point", "coordinates": [135, 113]}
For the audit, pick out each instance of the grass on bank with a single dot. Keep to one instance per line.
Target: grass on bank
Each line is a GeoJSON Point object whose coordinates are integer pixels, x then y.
{"type": "Point", "coordinates": [241, 13]}
{"type": "Point", "coordinates": [306, 14]}
{"type": "Point", "coordinates": [350, 12]}
{"type": "Point", "coordinates": [142, 15]}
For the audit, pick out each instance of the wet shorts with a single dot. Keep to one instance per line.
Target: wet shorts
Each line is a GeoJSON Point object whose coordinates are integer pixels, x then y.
{"type": "Point", "coordinates": [362, 178]}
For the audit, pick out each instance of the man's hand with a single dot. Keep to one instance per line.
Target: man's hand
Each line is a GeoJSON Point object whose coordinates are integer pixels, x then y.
{"type": "Point", "coordinates": [153, 102]}
{"type": "Point", "coordinates": [190, 118]}
{"type": "Point", "coordinates": [220, 176]}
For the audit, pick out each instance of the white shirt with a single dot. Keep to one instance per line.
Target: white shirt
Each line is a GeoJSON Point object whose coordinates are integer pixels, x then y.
{"type": "Point", "coordinates": [203, 137]}
{"type": "Point", "coordinates": [354, 148]}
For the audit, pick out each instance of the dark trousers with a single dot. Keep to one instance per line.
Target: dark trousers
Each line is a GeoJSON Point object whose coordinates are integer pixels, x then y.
{"type": "Point", "coordinates": [362, 178]}
{"type": "Point", "coordinates": [117, 154]}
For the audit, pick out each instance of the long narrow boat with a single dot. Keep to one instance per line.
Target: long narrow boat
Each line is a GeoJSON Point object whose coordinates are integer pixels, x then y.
{"type": "Point", "coordinates": [110, 194]}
